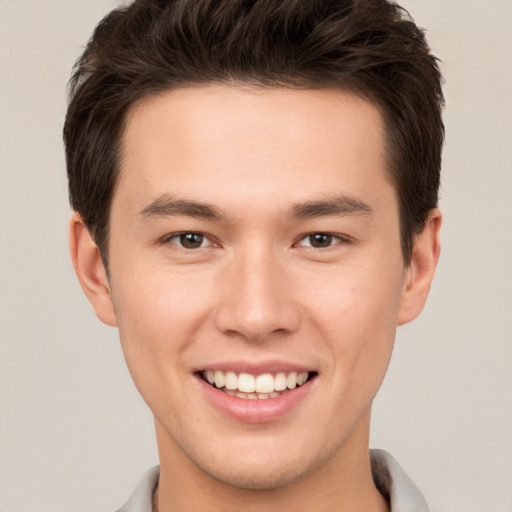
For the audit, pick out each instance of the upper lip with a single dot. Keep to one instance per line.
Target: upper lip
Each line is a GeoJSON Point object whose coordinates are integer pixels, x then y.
{"type": "Point", "coordinates": [256, 367]}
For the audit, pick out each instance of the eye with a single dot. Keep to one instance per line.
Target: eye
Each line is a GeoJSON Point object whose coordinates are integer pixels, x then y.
{"type": "Point", "coordinates": [319, 240]}
{"type": "Point", "coordinates": [189, 240]}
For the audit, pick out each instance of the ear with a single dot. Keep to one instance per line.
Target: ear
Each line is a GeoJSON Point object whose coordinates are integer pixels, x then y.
{"type": "Point", "coordinates": [420, 271]}
{"type": "Point", "coordinates": [90, 270]}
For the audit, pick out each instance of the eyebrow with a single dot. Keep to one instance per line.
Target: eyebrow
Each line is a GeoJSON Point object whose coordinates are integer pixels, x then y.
{"type": "Point", "coordinates": [166, 205]}
{"type": "Point", "coordinates": [338, 205]}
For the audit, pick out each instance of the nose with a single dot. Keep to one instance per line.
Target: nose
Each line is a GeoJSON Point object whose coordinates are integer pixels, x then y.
{"type": "Point", "coordinates": [258, 302]}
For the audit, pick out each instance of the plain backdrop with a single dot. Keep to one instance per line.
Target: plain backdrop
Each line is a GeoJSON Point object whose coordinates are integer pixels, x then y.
{"type": "Point", "coordinates": [74, 433]}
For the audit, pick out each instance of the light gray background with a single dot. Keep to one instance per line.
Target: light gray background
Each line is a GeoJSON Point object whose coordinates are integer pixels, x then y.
{"type": "Point", "coordinates": [75, 435]}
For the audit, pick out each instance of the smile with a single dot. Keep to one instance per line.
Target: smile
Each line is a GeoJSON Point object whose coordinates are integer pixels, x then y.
{"type": "Point", "coordinates": [255, 387]}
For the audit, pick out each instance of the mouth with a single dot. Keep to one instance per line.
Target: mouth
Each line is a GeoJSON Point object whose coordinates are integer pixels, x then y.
{"type": "Point", "coordinates": [265, 386]}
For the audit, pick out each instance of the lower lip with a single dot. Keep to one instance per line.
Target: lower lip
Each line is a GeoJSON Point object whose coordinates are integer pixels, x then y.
{"type": "Point", "coordinates": [255, 411]}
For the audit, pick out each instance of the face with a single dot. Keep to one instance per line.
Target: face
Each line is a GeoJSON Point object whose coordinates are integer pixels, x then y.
{"type": "Point", "coordinates": [256, 276]}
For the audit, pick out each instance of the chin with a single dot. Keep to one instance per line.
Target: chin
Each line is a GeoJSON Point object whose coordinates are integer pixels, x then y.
{"type": "Point", "coordinates": [265, 469]}
{"type": "Point", "coordinates": [258, 478]}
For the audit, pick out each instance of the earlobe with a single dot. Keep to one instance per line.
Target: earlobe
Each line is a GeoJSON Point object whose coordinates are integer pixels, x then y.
{"type": "Point", "coordinates": [421, 269]}
{"type": "Point", "coordinates": [90, 270]}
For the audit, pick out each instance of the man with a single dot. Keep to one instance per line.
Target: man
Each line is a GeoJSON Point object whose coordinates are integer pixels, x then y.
{"type": "Point", "coordinates": [255, 194]}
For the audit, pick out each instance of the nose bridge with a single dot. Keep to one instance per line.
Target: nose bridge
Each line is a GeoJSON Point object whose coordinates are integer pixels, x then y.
{"type": "Point", "coordinates": [258, 301]}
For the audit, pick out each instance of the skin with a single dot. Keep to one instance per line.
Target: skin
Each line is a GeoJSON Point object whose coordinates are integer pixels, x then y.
{"type": "Point", "coordinates": [256, 289]}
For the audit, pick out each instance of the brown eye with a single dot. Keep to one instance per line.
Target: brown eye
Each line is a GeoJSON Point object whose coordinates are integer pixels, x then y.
{"type": "Point", "coordinates": [189, 240]}
{"type": "Point", "coordinates": [319, 240]}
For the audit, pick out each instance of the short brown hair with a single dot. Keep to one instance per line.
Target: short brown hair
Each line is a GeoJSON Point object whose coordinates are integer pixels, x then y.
{"type": "Point", "coordinates": [369, 47]}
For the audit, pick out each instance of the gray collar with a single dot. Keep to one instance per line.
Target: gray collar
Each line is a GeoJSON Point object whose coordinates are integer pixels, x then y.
{"type": "Point", "coordinates": [395, 485]}
{"type": "Point", "coordinates": [389, 478]}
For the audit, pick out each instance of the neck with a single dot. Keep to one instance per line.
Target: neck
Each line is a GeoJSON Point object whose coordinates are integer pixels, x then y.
{"type": "Point", "coordinates": [343, 483]}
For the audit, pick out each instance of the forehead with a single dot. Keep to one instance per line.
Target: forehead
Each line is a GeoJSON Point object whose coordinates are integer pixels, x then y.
{"type": "Point", "coordinates": [224, 142]}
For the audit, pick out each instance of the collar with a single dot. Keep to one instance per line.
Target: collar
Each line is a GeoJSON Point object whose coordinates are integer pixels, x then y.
{"type": "Point", "coordinates": [392, 481]}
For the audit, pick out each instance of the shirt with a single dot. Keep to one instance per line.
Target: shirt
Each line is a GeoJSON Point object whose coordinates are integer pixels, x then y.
{"type": "Point", "coordinates": [389, 478]}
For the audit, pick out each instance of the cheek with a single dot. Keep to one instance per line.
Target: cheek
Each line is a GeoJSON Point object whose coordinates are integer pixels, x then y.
{"type": "Point", "coordinates": [354, 298]}
{"type": "Point", "coordinates": [159, 314]}
{"type": "Point", "coordinates": [160, 301]}
{"type": "Point", "coordinates": [356, 314]}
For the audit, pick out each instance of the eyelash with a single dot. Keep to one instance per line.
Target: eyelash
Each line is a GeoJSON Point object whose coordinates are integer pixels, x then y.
{"type": "Point", "coordinates": [331, 238]}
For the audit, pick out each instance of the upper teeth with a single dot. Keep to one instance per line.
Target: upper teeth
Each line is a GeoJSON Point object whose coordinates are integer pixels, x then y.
{"type": "Point", "coordinates": [264, 383]}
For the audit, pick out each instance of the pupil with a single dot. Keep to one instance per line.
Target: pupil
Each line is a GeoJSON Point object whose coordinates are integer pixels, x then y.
{"type": "Point", "coordinates": [191, 240]}
{"type": "Point", "coordinates": [321, 240]}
